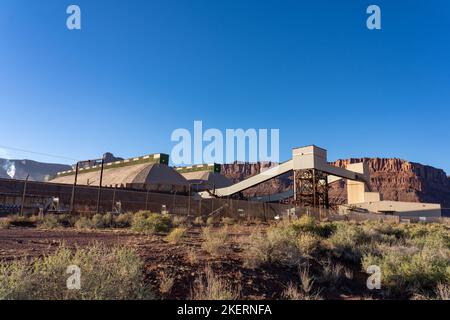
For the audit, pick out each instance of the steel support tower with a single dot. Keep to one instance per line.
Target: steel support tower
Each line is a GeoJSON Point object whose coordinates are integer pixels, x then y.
{"type": "Point", "coordinates": [311, 188]}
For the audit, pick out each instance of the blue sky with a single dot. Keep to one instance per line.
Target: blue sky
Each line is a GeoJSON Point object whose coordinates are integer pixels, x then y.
{"type": "Point", "coordinates": [140, 69]}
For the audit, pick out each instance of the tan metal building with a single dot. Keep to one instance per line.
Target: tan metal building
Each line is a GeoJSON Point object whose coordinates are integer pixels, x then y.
{"type": "Point", "coordinates": [149, 172]}
{"type": "Point", "coordinates": [205, 176]}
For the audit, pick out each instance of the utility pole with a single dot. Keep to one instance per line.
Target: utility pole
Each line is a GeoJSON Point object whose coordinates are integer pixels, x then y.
{"type": "Point", "coordinates": [72, 198]}
{"type": "Point", "coordinates": [100, 186]}
{"type": "Point", "coordinates": [23, 195]}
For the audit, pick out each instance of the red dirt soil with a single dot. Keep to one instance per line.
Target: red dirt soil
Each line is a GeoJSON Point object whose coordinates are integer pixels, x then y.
{"type": "Point", "coordinates": [163, 259]}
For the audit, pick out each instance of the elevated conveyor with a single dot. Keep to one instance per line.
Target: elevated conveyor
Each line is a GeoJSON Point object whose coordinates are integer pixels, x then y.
{"type": "Point", "coordinates": [304, 158]}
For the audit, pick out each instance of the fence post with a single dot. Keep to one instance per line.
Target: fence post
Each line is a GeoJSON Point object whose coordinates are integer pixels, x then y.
{"type": "Point", "coordinates": [23, 195]}
{"type": "Point", "coordinates": [100, 186]}
{"type": "Point", "coordinates": [114, 199]}
{"type": "Point", "coordinates": [73, 188]}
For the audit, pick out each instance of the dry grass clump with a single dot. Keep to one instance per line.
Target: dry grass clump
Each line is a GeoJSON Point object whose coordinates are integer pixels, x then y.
{"type": "Point", "coordinates": [308, 243]}
{"type": "Point", "coordinates": [227, 221]}
{"type": "Point", "coordinates": [198, 221]}
{"type": "Point", "coordinates": [166, 283]}
{"type": "Point", "coordinates": [212, 221]}
{"type": "Point", "coordinates": [98, 221]}
{"type": "Point", "coordinates": [123, 220]}
{"type": "Point", "coordinates": [211, 287]}
{"type": "Point", "coordinates": [180, 221]}
{"type": "Point", "coordinates": [150, 223]}
{"type": "Point", "coordinates": [23, 221]}
{"type": "Point", "coordinates": [84, 223]}
{"type": "Point", "coordinates": [279, 245]}
{"type": "Point", "coordinates": [5, 224]}
{"type": "Point", "coordinates": [176, 235]}
{"type": "Point", "coordinates": [192, 256]}
{"type": "Point", "coordinates": [287, 244]}
{"type": "Point", "coordinates": [442, 291]}
{"type": "Point", "coordinates": [349, 242]}
{"type": "Point", "coordinates": [307, 224]}
{"type": "Point", "coordinates": [334, 274]}
{"type": "Point", "coordinates": [48, 221]}
{"type": "Point", "coordinates": [109, 274]}
{"type": "Point", "coordinates": [215, 241]}
{"type": "Point", "coordinates": [304, 291]}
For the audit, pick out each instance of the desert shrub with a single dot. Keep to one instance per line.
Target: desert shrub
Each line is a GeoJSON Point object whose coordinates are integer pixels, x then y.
{"type": "Point", "coordinates": [311, 225]}
{"type": "Point", "coordinates": [257, 251]}
{"type": "Point", "coordinates": [211, 221]}
{"type": "Point", "coordinates": [304, 224]}
{"type": "Point", "coordinates": [66, 220]}
{"type": "Point", "coordinates": [431, 235]}
{"type": "Point", "coordinates": [5, 224]}
{"type": "Point", "coordinates": [108, 220]}
{"type": "Point", "coordinates": [97, 221]}
{"type": "Point", "coordinates": [123, 220]}
{"type": "Point", "coordinates": [110, 274]}
{"type": "Point", "coordinates": [279, 245]}
{"type": "Point", "coordinates": [419, 230]}
{"type": "Point", "coordinates": [179, 221]}
{"type": "Point", "coordinates": [52, 221]}
{"type": "Point", "coordinates": [386, 229]}
{"type": "Point", "coordinates": [84, 223]}
{"type": "Point", "coordinates": [49, 221]}
{"type": "Point", "coordinates": [410, 270]}
{"type": "Point", "coordinates": [198, 221]}
{"type": "Point", "coordinates": [308, 243]}
{"type": "Point", "coordinates": [176, 235]}
{"type": "Point", "coordinates": [211, 287]}
{"type": "Point", "coordinates": [150, 223]}
{"type": "Point", "coordinates": [227, 221]}
{"type": "Point", "coordinates": [22, 221]}
{"type": "Point", "coordinates": [349, 242]}
{"type": "Point", "coordinates": [215, 241]}
{"type": "Point", "coordinates": [140, 222]}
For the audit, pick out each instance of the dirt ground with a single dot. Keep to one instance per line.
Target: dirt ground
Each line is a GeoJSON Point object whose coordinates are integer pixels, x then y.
{"type": "Point", "coordinates": [163, 259]}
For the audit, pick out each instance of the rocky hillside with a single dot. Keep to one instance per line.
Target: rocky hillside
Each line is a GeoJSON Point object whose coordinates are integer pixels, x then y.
{"type": "Point", "coordinates": [38, 171]}
{"type": "Point", "coordinates": [395, 179]}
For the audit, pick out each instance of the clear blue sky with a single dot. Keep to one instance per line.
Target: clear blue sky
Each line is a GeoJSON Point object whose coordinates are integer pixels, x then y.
{"type": "Point", "coordinates": [140, 69]}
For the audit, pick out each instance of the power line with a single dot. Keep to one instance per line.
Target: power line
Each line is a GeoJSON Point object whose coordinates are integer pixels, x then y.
{"type": "Point", "coordinates": [38, 153]}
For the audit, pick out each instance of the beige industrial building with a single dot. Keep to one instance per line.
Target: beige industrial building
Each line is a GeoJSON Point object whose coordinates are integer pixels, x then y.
{"type": "Point", "coordinates": [205, 176]}
{"type": "Point", "coordinates": [149, 172]}
{"type": "Point", "coordinates": [360, 198]}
